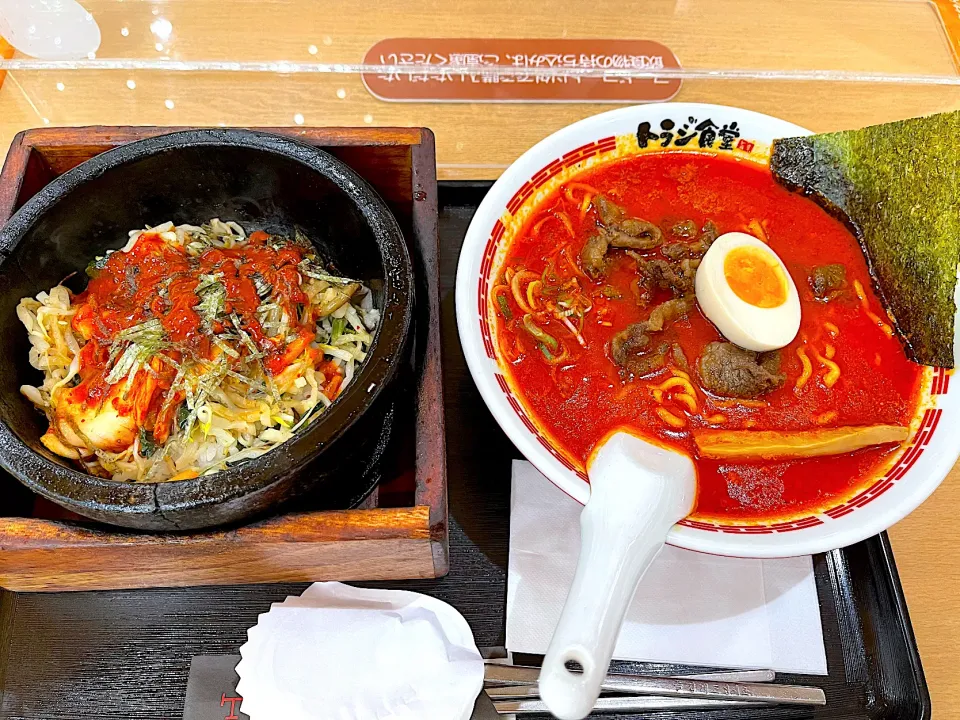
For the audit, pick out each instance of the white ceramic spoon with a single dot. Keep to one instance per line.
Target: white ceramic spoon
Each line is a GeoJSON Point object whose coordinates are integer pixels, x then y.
{"type": "Point", "coordinates": [638, 491]}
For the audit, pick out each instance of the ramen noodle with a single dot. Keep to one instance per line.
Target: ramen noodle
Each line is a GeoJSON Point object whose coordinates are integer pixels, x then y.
{"type": "Point", "coordinates": [193, 348]}
{"type": "Point", "coordinates": [693, 301]}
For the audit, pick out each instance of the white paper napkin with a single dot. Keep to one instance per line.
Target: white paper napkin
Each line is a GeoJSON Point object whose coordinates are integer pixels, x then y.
{"type": "Point", "coordinates": [344, 653]}
{"type": "Point", "coordinates": [690, 608]}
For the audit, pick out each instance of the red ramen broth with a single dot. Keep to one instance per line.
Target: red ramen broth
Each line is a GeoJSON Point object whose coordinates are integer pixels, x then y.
{"type": "Point", "coordinates": [577, 394]}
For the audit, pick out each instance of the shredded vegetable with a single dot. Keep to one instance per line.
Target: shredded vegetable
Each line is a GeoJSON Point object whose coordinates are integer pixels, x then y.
{"type": "Point", "coordinates": [192, 348]}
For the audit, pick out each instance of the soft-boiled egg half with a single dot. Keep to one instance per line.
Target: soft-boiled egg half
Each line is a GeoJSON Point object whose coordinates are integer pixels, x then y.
{"type": "Point", "coordinates": [746, 291]}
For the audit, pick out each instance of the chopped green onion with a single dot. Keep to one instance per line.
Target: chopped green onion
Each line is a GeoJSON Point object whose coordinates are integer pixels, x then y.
{"type": "Point", "coordinates": [148, 445]}
{"type": "Point", "coordinates": [341, 353]}
{"type": "Point", "coordinates": [97, 264]}
{"type": "Point", "coordinates": [183, 415]}
{"type": "Point", "coordinates": [546, 353]}
{"type": "Point", "coordinates": [531, 327]}
{"type": "Point", "coordinates": [550, 277]}
{"type": "Point", "coordinates": [339, 325]}
{"type": "Point", "coordinates": [504, 306]}
{"type": "Point", "coordinates": [313, 270]}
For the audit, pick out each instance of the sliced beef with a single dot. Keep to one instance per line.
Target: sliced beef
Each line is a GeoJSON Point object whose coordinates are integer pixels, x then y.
{"type": "Point", "coordinates": [680, 357]}
{"type": "Point", "coordinates": [633, 348]}
{"type": "Point", "coordinates": [686, 229]}
{"type": "Point", "coordinates": [616, 230]}
{"type": "Point", "coordinates": [694, 250]}
{"type": "Point", "coordinates": [827, 281]}
{"type": "Point", "coordinates": [677, 251]}
{"type": "Point", "coordinates": [635, 234]}
{"type": "Point", "coordinates": [610, 213]}
{"type": "Point", "coordinates": [658, 274]}
{"type": "Point", "coordinates": [665, 313]}
{"type": "Point", "coordinates": [626, 232]}
{"type": "Point", "coordinates": [708, 235]}
{"type": "Point", "coordinates": [593, 256]}
{"type": "Point", "coordinates": [678, 271]}
{"type": "Point", "coordinates": [731, 371]}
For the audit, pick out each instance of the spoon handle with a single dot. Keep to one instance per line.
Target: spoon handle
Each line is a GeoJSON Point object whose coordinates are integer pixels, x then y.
{"type": "Point", "coordinates": [623, 528]}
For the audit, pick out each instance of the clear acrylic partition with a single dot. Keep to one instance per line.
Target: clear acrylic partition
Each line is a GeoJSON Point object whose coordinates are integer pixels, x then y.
{"type": "Point", "coordinates": [824, 64]}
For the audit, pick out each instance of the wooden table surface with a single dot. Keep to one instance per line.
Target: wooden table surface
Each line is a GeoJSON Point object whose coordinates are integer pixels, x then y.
{"type": "Point", "coordinates": [925, 544]}
{"type": "Point", "coordinates": [478, 141]}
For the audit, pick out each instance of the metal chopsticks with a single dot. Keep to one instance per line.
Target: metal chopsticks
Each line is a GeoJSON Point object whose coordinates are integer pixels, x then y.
{"type": "Point", "coordinates": [514, 689]}
{"type": "Point", "coordinates": [624, 704]}
{"type": "Point", "coordinates": [495, 675]}
{"type": "Point", "coordinates": [502, 692]}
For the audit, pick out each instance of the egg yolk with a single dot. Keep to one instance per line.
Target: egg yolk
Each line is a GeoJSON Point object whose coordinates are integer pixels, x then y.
{"type": "Point", "coordinates": [755, 277]}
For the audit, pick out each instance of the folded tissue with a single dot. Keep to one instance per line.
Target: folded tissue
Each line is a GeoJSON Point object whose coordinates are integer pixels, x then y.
{"type": "Point", "coordinates": [343, 653]}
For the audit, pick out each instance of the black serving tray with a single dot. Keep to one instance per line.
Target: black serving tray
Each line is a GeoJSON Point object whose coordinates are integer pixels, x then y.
{"type": "Point", "coordinates": [127, 654]}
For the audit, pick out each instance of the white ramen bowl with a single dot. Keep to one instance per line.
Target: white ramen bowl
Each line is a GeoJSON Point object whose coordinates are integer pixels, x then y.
{"type": "Point", "coordinates": [911, 476]}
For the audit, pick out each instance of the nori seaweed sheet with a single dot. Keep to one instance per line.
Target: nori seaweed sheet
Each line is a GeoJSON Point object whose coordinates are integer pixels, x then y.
{"type": "Point", "coordinates": [897, 187]}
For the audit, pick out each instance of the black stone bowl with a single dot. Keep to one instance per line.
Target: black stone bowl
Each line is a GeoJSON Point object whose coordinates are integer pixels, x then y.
{"type": "Point", "coordinates": [261, 181]}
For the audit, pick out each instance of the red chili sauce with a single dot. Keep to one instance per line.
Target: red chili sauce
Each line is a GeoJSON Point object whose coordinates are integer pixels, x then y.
{"type": "Point", "coordinates": [586, 396]}
{"type": "Point", "coordinates": [155, 280]}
